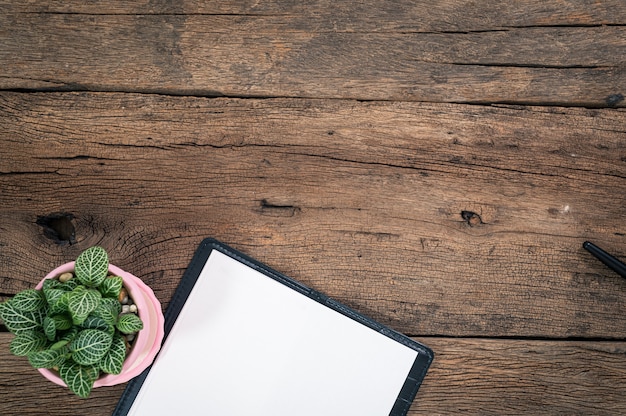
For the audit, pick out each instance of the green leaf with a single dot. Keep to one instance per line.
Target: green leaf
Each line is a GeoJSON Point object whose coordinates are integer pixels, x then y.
{"type": "Point", "coordinates": [78, 378]}
{"type": "Point", "coordinates": [114, 304]}
{"type": "Point", "coordinates": [29, 300]}
{"type": "Point", "coordinates": [61, 305]}
{"type": "Point", "coordinates": [82, 302]}
{"type": "Point", "coordinates": [113, 360]}
{"type": "Point", "coordinates": [129, 323]}
{"type": "Point", "coordinates": [47, 358]}
{"type": "Point", "coordinates": [56, 284]}
{"type": "Point", "coordinates": [18, 321]}
{"type": "Point", "coordinates": [90, 345]}
{"type": "Point", "coordinates": [109, 309]}
{"type": "Point", "coordinates": [95, 322]}
{"type": "Point", "coordinates": [49, 328]}
{"type": "Point", "coordinates": [50, 284]}
{"type": "Point", "coordinates": [111, 287]}
{"type": "Point", "coordinates": [53, 295]}
{"type": "Point", "coordinates": [69, 285]}
{"type": "Point", "coordinates": [92, 266]}
{"type": "Point", "coordinates": [27, 342]}
{"type": "Point", "coordinates": [3, 307]}
{"type": "Point", "coordinates": [59, 344]}
{"type": "Point", "coordinates": [62, 322]}
{"type": "Point", "coordinates": [70, 334]}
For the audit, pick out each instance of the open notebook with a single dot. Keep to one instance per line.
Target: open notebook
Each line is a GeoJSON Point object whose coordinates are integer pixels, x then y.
{"type": "Point", "coordinates": [244, 340]}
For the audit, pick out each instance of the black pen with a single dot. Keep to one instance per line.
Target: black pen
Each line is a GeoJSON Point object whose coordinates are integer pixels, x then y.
{"type": "Point", "coordinates": [612, 262]}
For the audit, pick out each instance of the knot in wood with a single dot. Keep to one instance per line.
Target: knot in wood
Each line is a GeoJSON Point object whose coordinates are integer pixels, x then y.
{"type": "Point", "coordinates": [471, 218]}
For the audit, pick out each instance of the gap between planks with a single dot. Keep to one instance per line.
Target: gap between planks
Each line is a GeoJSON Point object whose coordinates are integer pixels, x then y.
{"type": "Point", "coordinates": [209, 94]}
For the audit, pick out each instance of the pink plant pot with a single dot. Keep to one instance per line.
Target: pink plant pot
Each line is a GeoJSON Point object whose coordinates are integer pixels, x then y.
{"type": "Point", "coordinates": [147, 342]}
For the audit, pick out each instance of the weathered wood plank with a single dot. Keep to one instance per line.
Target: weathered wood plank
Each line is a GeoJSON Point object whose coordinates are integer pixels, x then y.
{"type": "Point", "coordinates": [445, 15]}
{"type": "Point", "coordinates": [436, 219]}
{"type": "Point", "coordinates": [361, 54]}
{"type": "Point", "coordinates": [468, 376]}
{"type": "Point", "coordinates": [503, 377]}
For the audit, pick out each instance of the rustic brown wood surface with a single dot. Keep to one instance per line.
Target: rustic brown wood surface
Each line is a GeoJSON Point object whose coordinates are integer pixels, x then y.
{"type": "Point", "coordinates": [569, 53]}
{"type": "Point", "coordinates": [434, 166]}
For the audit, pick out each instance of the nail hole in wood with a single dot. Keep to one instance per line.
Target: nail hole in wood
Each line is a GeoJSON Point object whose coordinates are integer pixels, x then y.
{"type": "Point", "coordinates": [614, 99]}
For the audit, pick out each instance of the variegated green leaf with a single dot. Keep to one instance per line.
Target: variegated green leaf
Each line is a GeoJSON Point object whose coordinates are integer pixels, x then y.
{"type": "Point", "coordinates": [92, 266]}
{"type": "Point", "coordinates": [90, 345]}
{"type": "Point", "coordinates": [18, 321]}
{"type": "Point", "coordinates": [95, 322]}
{"type": "Point", "coordinates": [111, 287]}
{"type": "Point", "coordinates": [69, 285]}
{"type": "Point", "coordinates": [113, 360]}
{"type": "Point", "coordinates": [61, 305]}
{"type": "Point", "coordinates": [108, 310]}
{"type": "Point", "coordinates": [78, 378]}
{"type": "Point", "coordinates": [114, 305]}
{"type": "Point", "coordinates": [59, 344]}
{"type": "Point", "coordinates": [50, 284]}
{"type": "Point", "coordinates": [3, 307]}
{"type": "Point", "coordinates": [27, 342]}
{"type": "Point", "coordinates": [29, 300]}
{"type": "Point", "coordinates": [129, 323]}
{"type": "Point", "coordinates": [47, 358]}
{"type": "Point", "coordinates": [70, 334]}
{"type": "Point", "coordinates": [82, 302]}
{"type": "Point", "coordinates": [53, 295]}
{"type": "Point", "coordinates": [49, 328]}
{"type": "Point", "coordinates": [62, 322]}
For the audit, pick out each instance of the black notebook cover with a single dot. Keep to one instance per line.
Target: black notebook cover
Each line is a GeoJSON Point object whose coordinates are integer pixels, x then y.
{"type": "Point", "coordinates": [243, 339]}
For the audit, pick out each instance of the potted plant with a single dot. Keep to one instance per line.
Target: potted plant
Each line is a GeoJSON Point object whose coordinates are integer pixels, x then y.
{"type": "Point", "coordinates": [86, 324]}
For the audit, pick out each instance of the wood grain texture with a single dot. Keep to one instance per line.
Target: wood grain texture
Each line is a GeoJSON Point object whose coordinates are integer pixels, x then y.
{"type": "Point", "coordinates": [468, 376]}
{"type": "Point", "coordinates": [448, 15]}
{"type": "Point", "coordinates": [436, 219]}
{"type": "Point", "coordinates": [530, 53]}
{"type": "Point", "coordinates": [505, 377]}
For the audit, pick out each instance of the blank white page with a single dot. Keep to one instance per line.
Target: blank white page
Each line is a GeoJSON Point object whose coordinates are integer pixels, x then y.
{"type": "Point", "coordinates": [245, 345]}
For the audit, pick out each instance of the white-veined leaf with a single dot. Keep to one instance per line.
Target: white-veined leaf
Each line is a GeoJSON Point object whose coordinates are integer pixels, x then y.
{"type": "Point", "coordinates": [29, 300]}
{"type": "Point", "coordinates": [113, 360]}
{"type": "Point", "coordinates": [47, 358]}
{"type": "Point", "coordinates": [91, 266]}
{"type": "Point", "coordinates": [50, 284]}
{"type": "Point", "coordinates": [129, 323]}
{"type": "Point", "coordinates": [70, 334]}
{"type": "Point", "coordinates": [61, 304]}
{"type": "Point", "coordinates": [18, 321]}
{"type": "Point", "coordinates": [95, 322]}
{"type": "Point", "coordinates": [59, 344]}
{"type": "Point", "coordinates": [108, 310]}
{"type": "Point", "coordinates": [82, 302]}
{"type": "Point", "coordinates": [90, 345]}
{"type": "Point", "coordinates": [62, 322]}
{"type": "Point", "coordinates": [3, 306]}
{"type": "Point", "coordinates": [69, 285]}
{"type": "Point", "coordinates": [53, 295]}
{"type": "Point", "coordinates": [27, 342]}
{"type": "Point", "coordinates": [49, 328]}
{"type": "Point", "coordinates": [111, 287]}
{"type": "Point", "coordinates": [79, 379]}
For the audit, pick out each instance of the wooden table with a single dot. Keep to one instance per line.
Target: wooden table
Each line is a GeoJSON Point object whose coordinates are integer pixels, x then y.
{"type": "Point", "coordinates": [434, 165]}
